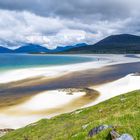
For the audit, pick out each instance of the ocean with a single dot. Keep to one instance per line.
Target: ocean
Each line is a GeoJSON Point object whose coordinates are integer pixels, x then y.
{"type": "Point", "coordinates": [19, 61]}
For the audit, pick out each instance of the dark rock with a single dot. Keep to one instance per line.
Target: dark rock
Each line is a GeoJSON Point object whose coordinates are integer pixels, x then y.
{"type": "Point", "coordinates": [97, 130]}
{"type": "Point", "coordinates": [125, 137]}
{"type": "Point", "coordinates": [117, 136]}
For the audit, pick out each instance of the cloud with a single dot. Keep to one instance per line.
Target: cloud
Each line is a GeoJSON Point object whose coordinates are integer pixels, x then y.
{"type": "Point", "coordinates": [63, 22]}
{"type": "Point", "coordinates": [69, 8]}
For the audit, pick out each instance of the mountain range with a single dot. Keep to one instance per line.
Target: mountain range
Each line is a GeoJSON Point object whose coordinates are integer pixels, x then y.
{"type": "Point", "coordinates": [123, 43]}
{"type": "Point", "coordinates": [35, 48]}
{"type": "Point", "coordinates": [5, 50]}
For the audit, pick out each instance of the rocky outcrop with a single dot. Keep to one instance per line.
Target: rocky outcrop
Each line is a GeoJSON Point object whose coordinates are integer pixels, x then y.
{"type": "Point", "coordinates": [4, 131]}
{"type": "Point", "coordinates": [97, 130]}
{"type": "Point", "coordinates": [114, 135]}
{"type": "Point", "coordinates": [117, 136]}
{"type": "Point", "coordinates": [70, 91]}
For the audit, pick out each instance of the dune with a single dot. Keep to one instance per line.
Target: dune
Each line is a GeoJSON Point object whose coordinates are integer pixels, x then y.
{"type": "Point", "coordinates": [123, 85]}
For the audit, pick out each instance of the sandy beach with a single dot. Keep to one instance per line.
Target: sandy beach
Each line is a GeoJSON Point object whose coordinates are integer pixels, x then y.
{"type": "Point", "coordinates": [123, 85]}
{"type": "Point", "coordinates": [32, 94]}
{"type": "Point", "coordinates": [57, 71]}
{"type": "Point", "coordinates": [45, 105]}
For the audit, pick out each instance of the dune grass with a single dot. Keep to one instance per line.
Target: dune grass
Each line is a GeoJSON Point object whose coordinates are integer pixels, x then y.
{"type": "Point", "coordinates": [122, 111]}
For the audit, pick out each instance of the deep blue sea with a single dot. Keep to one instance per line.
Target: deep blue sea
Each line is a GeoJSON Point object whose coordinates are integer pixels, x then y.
{"type": "Point", "coordinates": [16, 61]}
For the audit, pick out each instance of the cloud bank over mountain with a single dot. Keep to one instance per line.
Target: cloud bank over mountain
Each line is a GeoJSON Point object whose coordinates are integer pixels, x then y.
{"type": "Point", "coordinates": [63, 22]}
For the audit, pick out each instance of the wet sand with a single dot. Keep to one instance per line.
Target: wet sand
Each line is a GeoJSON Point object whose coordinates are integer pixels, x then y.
{"type": "Point", "coordinates": [17, 92]}
{"type": "Point", "coordinates": [90, 96]}
{"type": "Point", "coordinates": [60, 101]}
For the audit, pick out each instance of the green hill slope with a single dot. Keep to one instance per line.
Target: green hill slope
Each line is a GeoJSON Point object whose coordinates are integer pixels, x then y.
{"type": "Point", "coordinates": [123, 112]}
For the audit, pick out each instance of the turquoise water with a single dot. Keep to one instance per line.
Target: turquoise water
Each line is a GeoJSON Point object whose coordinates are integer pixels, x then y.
{"type": "Point", "coordinates": [16, 61]}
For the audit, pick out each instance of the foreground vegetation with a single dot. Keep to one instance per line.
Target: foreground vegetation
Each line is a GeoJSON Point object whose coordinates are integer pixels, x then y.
{"type": "Point", "coordinates": [123, 112]}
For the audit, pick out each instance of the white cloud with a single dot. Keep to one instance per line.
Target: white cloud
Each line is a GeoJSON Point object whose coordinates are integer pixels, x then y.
{"type": "Point", "coordinates": [19, 27]}
{"type": "Point", "coordinates": [25, 27]}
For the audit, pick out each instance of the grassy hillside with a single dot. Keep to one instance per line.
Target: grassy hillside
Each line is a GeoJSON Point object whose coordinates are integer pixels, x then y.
{"type": "Point", "coordinates": [123, 112]}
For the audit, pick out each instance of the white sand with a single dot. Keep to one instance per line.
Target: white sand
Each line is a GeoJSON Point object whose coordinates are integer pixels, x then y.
{"type": "Point", "coordinates": [17, 116]}
{"type": "Point", "coordinates": [56, 71]}
{"type": "Point", "coordinates": [14, 122]}
{"type": "Point", "coordinates": [52, 99]}
{"type": "Point", "coordinates": [126, 84]}
{"type": "Point", "coordinates": [49, 99]}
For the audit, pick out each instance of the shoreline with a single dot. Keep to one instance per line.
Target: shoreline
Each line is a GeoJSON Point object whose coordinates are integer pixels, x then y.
{"type": "Point", "coordinates": [118, 87]}
{"type": "Point", "coordinates": [57, 71]}
{"type": "Point", "coordinates": [17, 91]}
{"type": "Point", "coordinates": [101, 77]}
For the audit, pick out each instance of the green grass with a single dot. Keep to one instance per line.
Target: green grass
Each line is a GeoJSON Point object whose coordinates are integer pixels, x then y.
{"type": "Point", "coordinates": [124, 115]}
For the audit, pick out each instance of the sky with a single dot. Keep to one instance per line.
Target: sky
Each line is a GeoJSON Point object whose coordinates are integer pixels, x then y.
{"type": "Point", "coordinates": [53, 23]}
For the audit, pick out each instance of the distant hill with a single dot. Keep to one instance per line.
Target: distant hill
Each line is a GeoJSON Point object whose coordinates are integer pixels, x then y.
{"type": "Point", "coordinates": [123, 43]}
{"type": "Point", "coordinates": [64, 48]}
{"type": "Point", "coordinates": [34, 48]}
{"type": "Point", "coordinates": [5, 50]}
{"type": "Point", "coordinates": [31, 48]}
